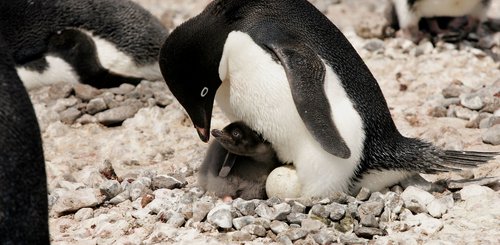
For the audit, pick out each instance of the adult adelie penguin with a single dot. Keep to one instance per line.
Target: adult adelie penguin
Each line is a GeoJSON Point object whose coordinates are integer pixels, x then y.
{"type": "Point", "coordinates": [285, 70]}
{"type": "Point", "coordinates": [409, 13]}
{"type": "Point", "coordinates": [23, 184]}
{"type": "Point", "coordinates": [127, 37]}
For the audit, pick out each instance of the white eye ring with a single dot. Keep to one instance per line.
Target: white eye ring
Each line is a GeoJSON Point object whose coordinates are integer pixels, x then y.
{"type": "Point", "coordinates": [204, 92]}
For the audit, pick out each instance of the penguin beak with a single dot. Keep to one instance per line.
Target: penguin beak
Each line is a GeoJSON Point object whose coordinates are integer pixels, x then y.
{"type": "Point", "coordinates": [203, 133]}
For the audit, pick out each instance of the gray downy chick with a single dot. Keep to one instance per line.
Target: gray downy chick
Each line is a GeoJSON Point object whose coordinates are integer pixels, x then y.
{"type": "Point", "coordinates": [237, 163]}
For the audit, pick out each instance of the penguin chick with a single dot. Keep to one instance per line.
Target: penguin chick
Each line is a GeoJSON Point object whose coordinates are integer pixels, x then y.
{"type": "Point", "coordinates": [237, 163]}
{"type": "Point", "coordinates": [23, 184]}
{"type": "Point", "coordinates": [409, 13]}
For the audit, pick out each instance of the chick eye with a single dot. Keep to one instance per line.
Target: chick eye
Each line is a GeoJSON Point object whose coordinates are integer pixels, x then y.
{"type": "Point", "coordinates": [236, 134]}
{"type": "Point", "coordinates": [204, 92]}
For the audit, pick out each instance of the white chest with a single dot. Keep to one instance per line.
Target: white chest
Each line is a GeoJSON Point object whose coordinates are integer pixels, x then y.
{"type": "Point", "coordinates": [255, 90]}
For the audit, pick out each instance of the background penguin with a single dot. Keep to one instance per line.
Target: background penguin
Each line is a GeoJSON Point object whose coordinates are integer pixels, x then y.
{"type": "Point", "coordinates": [78, 50]}
{"type": "Point", "coordinates": [237, 163]}
{"type": "Point", "coordinates": [409, 13]}
{"type": "Point", "coordinates": [23, 184]}
{"type": "Point", "coordinates": [286, 71]}
{"type": "Point", "coordinates": [127, 37]}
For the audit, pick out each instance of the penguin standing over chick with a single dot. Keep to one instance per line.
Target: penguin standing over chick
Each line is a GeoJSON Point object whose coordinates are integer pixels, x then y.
{"type": "Point", "coordinates": [23, 184]}
{"type": "Point", "coordinates": [237, 163]}
{"type": "Point", "coordinates": [127, 39]}
{"type": "Point", "coordinates": [409, 13]}
{"type": "Point", "coordinates": [285, 70]}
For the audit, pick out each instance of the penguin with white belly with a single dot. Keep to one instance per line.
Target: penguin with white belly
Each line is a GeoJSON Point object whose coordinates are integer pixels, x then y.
{"type": "Point", "coordinates": [23, 184]}
{"type": "Point", "coordinates": [285, 70]}
{"type": "Point", "coordinates": [409, 13]}
{"type": "Point", "coordinates": [127, 39]}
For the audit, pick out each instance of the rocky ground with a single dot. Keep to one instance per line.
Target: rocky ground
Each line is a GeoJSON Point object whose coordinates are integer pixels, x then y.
{"type": "Point", "coordinates": [122, 162]}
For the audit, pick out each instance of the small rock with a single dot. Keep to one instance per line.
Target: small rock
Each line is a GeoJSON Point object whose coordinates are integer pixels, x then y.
{"type": "Point", "coordinates": [96, 105]}
{"type": "Point", "coordinates": [369, 232]}
{"type": "Point", "coordinates": [201, 209]}
{"type": "Point", "coordinates": [296, 234]}
{"type": "Point", "coordinates": [492, 135]}
{"type": "Point", "coordinates": [371, 207]}
{"type": "Point", "coordinates": [351, 239]}
{"type": "Point", "coordinates": [75, 200]}
{"type": "Point", "coordinates": [320, 210]}
{"type": "Point", "coordinates": [296, 218]}
{"type": "Point", "coordinates": [84, 214]}
{"type": "Point", "coordinates": [452, 91]}
{"type": "Point", "coordinates": [428, 225]}
{"type": "Point", "coordinates": [324, 237]}
{"type": "Point", "coordinates": [413, 196]}
{"type": "Point", "coordinates": [124, 88]}
{"type": "Point", "coordinates": [464, 113]}
{"type": "Point", "coordinates": [60, 90]}
{"type": "Point", "coordinates": [168, 182]}
{"type": "Point", "coordinates": [450, 101]}
{"type": "Point", "coordinates": [472, 102]}
{"type": "Point", "coordinates": [284, 239]}
{"type": "Point", "coordinates": [277, 212]}
{"type": "Point", "coordinates": [369, 220]}
{"type": "Point", "coordinates": [116, 115]}
{"type": "Point", "coordinates": [86, 119]}
{"type": "Point", "coordinates": [438, 111]}
{"type": "Point", "coordinates": [438, 207]}
{"type": "Point", "coordinates": [474, 192]}
{"type": "Point", "coordinates": [139, 187]}
{"type": "Point", "coordinates": [476, 121]}
{"type": "Point", "coordinates": [221, 216]}
{"type": "Point", "coordinates": [374, 45]}
{"type": "Point", "coordinates": [339, 197]}
{"type": "Point", "coordinates": [69, 115]}
{"type": "Point", "coordinates": [240, 222]}
{"type": "Point", "coordinates": [257, 230]}
{"type": "Point", "coordinates": [394, 203]}
{"type": "Point", "coordinates": [85, 92]}
{"type": "Point", "coordinates": [337, 211]}
{"type": "Point", "coordinates": [244, 206]}
{"type": "Point", "coordinates": [278, 226]}
{"type": "Point", "coordinates": [297, 207]}
{"type": "Point", "coordinates": [363, 194]}
{"type": "Point", "coordinates": [241, 236]}
{"type": "Point", "coordinates": [146, 199]}
{"type": "Point", "coordinates": [311, 225]}
{"type": "Point", "coordinates": [263, 222]}
{"type": "Point", "coordinates": [110, 188]}
{"type": "Point", "coordinates": [125, 195]}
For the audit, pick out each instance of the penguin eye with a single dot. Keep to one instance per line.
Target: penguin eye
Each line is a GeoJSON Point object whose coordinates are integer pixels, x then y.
{"type": "Point", "coordinates": [236, 134]}
{"type": "Point", "coordinates": [204, 92]}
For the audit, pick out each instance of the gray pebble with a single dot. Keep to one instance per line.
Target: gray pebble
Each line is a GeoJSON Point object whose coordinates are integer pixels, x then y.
{"type": "Point", "coordinates": [324, 237]}
{"type": "Point", "coordinates": [240, 222]}
{"type": "Point", "coordinates": [96, 105]}
{"type": "Point", "coordinates": [296, 218]}
{"type": "Point", "coordinates": [320, 210]}
{"type": "Point", "coordinates": [244, 206]}
{"type": "Point", "coordinates": [284, 239]}
{"type": "Point", "coordinates": [339, 197]}
{"type": "Point", "coordinates": [168, 182]}
{"type": "Point", "coordinates": [201, 209]}
{"type": "Point", "coordinates": [70, 115]}
{"type": "Point", "coordinates": [337, 211]}
{"type": "Point", "coordinates": [241, 236]}
{"type": "Point", "coordinates": [363, 194]}
{"type": "Point", "coordinates": [110, 188]}
{"type": "Point", "coordinates": [84, 214]}
{"type": "Point", "coordinates": [86, 119]}
{"type": "Point", "coordinates": [297, 207]}
{"type": "Point", "coordinates": [116, 115]}
{"type": "Point", "coordinates": [257, 230]}
{"type": "Point", "coordinates": [312, 225]}
{"type": "Point", "coordinates": [266, 223]}
{"type": "Point", "coordinates": [60, 90]}
{"type": "Point", "coordinates": [439, 206]}
{"type": "Point", "coordinates": [273, 201]}
{"type": "Point", "coordinates": [277, 212]}
{"type": "Point", "coordinates": [85, 92]}
{"type": "Point", "coordinates": [464, 113]}
{"type": "Point", "coordinates": [124, 88]}
{"type": "Point", "coordinates": [296, 233]}
{"type": "Point", "coordinates": [176, 219]}
{"type": "Point", "coordinates": [371, 207]}
{"type": "Point", "coordinates": [394, 202]}
{"type": "Point", "coordinates": [472, 101]}
{"type": "Point", "coordinates": [376, 196]}
{"type": "Point", "coordinates": [279, 226]}
{"type": "Point", "coordinates": [452, 91]}
{"type": "Point", "coordinates": [221, 216]}
{"type": "Point", "coordinates": [369, 232]}
{"type": "Point", "coordinates": [450, 101]}
{"type": "Point", "coordinates": [374, 45]}
{"type": "Point", "coordinates": [475, 122]}
{"type": "Point", "coordinates": [492, 135]}
{"type": "Point", "coordinates": [123, 196]}
{"type": "Point", "coordinates": [368, 220]}
{"type": "Point", "coordinates": [139, 187]}
{"type": "Point", "coordinates": [351, 239]}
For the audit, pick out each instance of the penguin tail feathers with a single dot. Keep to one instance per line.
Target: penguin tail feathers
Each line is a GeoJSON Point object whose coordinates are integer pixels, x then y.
{"type": "Point", "coordinates": [458, 160]}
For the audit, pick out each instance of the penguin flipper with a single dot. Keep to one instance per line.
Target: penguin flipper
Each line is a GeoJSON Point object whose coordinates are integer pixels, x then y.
{"type": "Point", "coordinates": [306, 75]}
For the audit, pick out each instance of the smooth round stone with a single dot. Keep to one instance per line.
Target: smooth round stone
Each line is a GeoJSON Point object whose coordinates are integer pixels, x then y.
{"type": "Point", "coordinates": [283, 182]}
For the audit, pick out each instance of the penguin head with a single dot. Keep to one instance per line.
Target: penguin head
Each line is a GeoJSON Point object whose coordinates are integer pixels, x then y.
{"type": "Point", "coordinates": [189, 62]}
{"type": "Point", "coordinates": [240, 139]}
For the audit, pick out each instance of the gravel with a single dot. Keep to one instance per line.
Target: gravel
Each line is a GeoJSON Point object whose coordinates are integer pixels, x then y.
{"type": "Point", "coordinates": [121, 162]}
